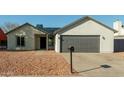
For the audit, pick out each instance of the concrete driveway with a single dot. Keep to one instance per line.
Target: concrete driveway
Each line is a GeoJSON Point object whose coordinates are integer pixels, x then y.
{"type": "Point", "coordinates": [89, 64]}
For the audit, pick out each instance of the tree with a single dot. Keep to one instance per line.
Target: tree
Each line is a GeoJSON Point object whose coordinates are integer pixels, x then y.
{"type": "Point", "coordinates": [9, 26]}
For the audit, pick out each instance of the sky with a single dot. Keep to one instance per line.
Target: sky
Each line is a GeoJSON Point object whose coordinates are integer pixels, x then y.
{"type": "Point", "coordinates": [56, 20]}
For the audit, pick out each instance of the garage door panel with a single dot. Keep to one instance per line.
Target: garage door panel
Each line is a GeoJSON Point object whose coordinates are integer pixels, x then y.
{"type": "Point", "coordinates": [119, 45]}
{"type": "Point", "coordinates": [81, 43]}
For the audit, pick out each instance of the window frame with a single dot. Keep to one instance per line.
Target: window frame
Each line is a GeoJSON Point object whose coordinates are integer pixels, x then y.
{"type": "Point", "coordinates": [19, 40]}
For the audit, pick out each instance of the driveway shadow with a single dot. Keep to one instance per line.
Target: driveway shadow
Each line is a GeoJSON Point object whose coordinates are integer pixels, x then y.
{"type": "Point", "coordinates": [101, 66]}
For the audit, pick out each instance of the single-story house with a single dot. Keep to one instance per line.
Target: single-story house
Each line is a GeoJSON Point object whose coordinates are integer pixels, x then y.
{"type": "Point", "coordinates": [86, 35]}
{"type": "Point", "coordinates": [3, 39]}
{"type": "Point", "coordinates": [27, 37]}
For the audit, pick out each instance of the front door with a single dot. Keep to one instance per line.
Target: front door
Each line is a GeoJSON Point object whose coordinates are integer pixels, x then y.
{"type": "Point", "coordinates": [42, 42]}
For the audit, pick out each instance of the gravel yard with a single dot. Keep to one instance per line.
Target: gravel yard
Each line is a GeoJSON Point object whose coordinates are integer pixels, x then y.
{"type": "Point", "coordinates": [33, 63]}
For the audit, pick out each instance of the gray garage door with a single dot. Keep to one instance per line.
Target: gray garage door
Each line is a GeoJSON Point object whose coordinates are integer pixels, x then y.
{"type": "Point", "coordinates": [119, 45]}
{"type": "Point", "coordinates": [80, 43]}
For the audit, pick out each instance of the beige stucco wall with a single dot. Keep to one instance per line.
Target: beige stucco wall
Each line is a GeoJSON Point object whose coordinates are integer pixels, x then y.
{"type": "Point", "coordinates": [29, 33]}
{"type": "Point", "coordinates": [37, 42]}
{"type": "Point", "coordinates": [91, 28]}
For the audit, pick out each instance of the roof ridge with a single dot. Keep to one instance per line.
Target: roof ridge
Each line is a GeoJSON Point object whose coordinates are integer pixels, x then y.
{"type": "Point", "coordinates": [85, 18]}
{"type": "Point", "coordinates": [26, 24]}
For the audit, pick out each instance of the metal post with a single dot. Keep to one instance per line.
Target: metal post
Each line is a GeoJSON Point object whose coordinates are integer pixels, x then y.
{"type": "Point", "coordinates": [71, 61]}
{"type": "Point", "coordinates": [71, 48]}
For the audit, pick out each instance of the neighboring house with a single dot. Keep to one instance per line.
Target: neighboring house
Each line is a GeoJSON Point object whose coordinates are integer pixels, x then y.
{"type": "Point", "coordinates": [118, 25]}
{"type": "Point", "coordinates": [3, 39]}
{"type": "Point", "coordinates": [27, 37]}
{"type": "Point", "coordinates": [119, 36]}
{"type": "Point", "coordinates": [86, 35]}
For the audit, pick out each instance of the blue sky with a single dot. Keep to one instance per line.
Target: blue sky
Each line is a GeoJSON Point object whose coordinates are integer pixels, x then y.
{"type": "Point", "coordinates": [55, 20]}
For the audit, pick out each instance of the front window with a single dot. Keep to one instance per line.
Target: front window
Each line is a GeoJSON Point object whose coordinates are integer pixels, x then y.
{"type": "Point", "coordinates": [20, 41]}
{"type": "Point", "coordinates": [3, 43]}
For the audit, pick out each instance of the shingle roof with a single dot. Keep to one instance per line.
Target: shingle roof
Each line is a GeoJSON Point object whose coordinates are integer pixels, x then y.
{"type": "Point", "coordinates": [50, 30]}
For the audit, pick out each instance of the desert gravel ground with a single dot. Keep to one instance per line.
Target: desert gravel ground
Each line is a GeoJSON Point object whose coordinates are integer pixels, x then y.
{"type": "Point", "coordinates": [33, 63]}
